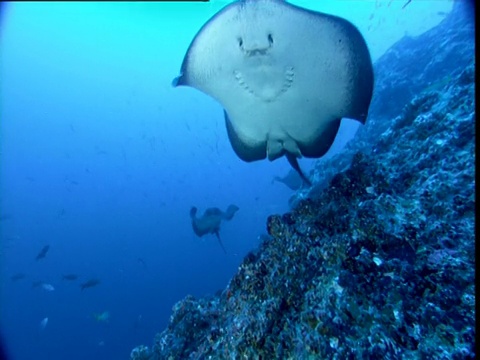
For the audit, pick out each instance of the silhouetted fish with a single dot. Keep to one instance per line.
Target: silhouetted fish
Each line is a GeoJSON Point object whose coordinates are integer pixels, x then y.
{"type": "Point", "coordinates": [70, 277]}
{"type": "Point", "coordinates": [4, 217]}
{"type": "Point", "coordinates": [405, 5]}
{"type": "Point", "coordinates": [141, 261]}
{"type": "Point", "coordinates": [36, 283]}
{"type": "Point", "coordinates": [43, 252]}
{"type": "Point", "coordinates": [99, 151]}
{"type": "Point", "coordinates": [17, 277]}
{"type": "Point", "coordinates": [89, 283]}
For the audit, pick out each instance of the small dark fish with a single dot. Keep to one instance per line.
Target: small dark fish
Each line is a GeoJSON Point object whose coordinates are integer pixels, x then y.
{"type": "Point", "coordinates": [152, 142]}
{"type": "Point", "coordinates": [43, 252]}
{"type": "Point", "coordinates": [405, 5]}
{"type": "Point", "coordinates": [141, 261]}
{"type": "Point", "coordinates": [70, 277]}
{"type": "Point", "coordinates": [17, 277]}
{"type": "Point", "coordinates": [68, 180]}
{"type": "Point", "coordinates": [36, 284]}
{"type": "Point", "coordinates": [4, 217]}
{"type": "Point", "coordinates": [99, 151]}
{"type": "Point", "coordinates": [89, 283]}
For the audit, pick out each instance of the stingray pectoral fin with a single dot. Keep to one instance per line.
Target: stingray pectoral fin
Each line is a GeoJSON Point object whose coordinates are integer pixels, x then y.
{"type": "Point", "coordinates": [231, 210]}
{"type": "Point", "coordinates": [196, 229]}
{"type": "Point", "coordinates": [319, 145]}
{"type": "Point", "coordinates": [245, 149]}
{"type": "Point", "coordinates": [362, 77]}
{"type": "Point", "coordinates": [179, 81]}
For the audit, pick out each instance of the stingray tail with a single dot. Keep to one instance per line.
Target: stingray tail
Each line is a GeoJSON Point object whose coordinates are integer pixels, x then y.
{"type": "Point", "coordinates": [220, 242]}
{"type": "Point", "coordinates": [294, 163]}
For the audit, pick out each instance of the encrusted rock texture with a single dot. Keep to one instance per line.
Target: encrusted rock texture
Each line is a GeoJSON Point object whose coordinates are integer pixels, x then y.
{"type": "Point", "coordinates": [377, 261]}
{"type": "Point", "coordinates": [427, 63]}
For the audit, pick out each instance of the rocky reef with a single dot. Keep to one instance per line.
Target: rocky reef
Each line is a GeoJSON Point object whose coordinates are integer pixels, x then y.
{"type": "Point", "coordinates": [377, 261]}
{"type": "Point", "coordinates": [427, 63]}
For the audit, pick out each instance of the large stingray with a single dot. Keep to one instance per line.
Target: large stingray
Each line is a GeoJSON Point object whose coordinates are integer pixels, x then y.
{"type": "Point", "coordinates": [285, 76]}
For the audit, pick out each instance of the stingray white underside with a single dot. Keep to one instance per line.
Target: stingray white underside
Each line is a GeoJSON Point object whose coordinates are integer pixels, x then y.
{"type": "Point", "coordinates": [285, 76]}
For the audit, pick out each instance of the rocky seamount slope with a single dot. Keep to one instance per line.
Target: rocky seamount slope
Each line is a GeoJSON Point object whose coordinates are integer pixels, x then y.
{"type": "Point", "coordinates": [378, 259]}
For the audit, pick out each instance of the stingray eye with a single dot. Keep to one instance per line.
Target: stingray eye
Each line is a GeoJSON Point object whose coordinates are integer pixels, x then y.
{"type": "Point", "coordinates": [240, 42]}
{"type": "Point", "coordinates": [270, 39]}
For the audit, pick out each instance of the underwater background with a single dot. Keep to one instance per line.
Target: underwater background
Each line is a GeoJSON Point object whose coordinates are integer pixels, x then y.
{"type": "Point", "coordinates": [102, 159]}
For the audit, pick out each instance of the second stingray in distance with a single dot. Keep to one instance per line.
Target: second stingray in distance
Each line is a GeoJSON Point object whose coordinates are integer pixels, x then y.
{"type": "Point", "coordinates": [209, 222]}
{"type": "Point", "coordinates": [285, 76]}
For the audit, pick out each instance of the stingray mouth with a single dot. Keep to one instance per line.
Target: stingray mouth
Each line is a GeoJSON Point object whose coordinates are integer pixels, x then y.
{"type": "Point", "coordinates": [256, 52]}
{"type": "Point", "coordinates": [265, 82]}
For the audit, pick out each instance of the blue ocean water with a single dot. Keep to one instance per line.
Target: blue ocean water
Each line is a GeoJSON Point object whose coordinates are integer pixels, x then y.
{"type": "Point", "coordinates": [101, 159]}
